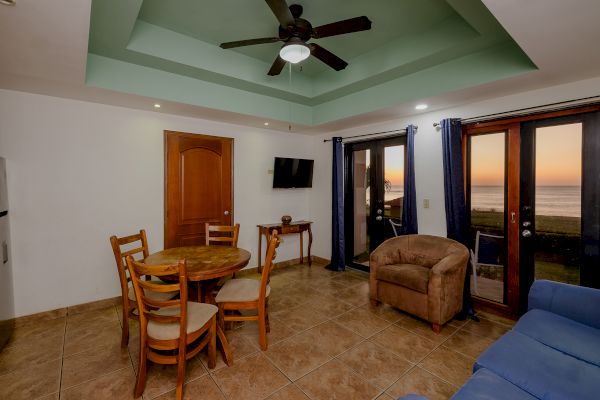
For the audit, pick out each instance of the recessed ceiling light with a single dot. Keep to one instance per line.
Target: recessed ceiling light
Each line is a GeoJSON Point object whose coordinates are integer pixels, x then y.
{"type": "Point", "coordinates": [8, 2]}
{"type": "Point", "coordinates": [266, 124]}
{"type": "Point", "coordinates": [421, 106]}
{"type": "Point", "coordinates": [156, 105]}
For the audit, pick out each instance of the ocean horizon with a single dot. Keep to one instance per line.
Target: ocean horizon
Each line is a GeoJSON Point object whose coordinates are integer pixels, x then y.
{"type": "Point", "coordinates": [549, 200]}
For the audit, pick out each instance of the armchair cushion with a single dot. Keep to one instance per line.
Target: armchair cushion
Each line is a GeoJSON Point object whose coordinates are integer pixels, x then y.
{"type": "Point", "coordinates": [415, 277]}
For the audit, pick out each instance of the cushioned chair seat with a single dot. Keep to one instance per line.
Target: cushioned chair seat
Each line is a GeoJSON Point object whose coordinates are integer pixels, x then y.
{"type": "Point", "coordinates": [542, 371]}
{"type": "Point", "coordinates": [198, 314]}
{"type": "Point", "coordinates": [415, 277]}
{"type": "Point", "coordinates": [485, 385]}
{"type": "Point", "coordinates": [578, 340]}
{"type": "Point", "coordinates": [153, 295]}
{"type": "Point", "coordinates": [240, 290]}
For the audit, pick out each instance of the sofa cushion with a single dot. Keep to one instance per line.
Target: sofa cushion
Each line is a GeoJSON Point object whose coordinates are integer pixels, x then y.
{"type": "Point", "coordinates": [540, 370]}
{"type": "Point", "coordinates": [578, 340]}
{"type": "Point", "coordinates": [415, 277]}
{"type": "Point", "coordinates": [485, 385]}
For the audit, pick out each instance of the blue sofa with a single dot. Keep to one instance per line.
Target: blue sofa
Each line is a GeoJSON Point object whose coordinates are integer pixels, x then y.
{"type": "Point", "coordinates": [553, 352]}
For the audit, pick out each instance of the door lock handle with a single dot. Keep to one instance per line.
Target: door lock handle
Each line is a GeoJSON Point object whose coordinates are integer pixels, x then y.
{"type": "Point", "coordinates": [526, 233]}
{"type": "Point", "coordinates": [226, 213]}
{"type": "Point", "coordinates": [378, 218]}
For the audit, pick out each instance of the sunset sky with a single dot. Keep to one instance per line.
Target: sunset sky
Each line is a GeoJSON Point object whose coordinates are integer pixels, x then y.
{"type": "Point", "coordinates": [558, 157]}
{"type": "Point", "coordinates": [394, 164]}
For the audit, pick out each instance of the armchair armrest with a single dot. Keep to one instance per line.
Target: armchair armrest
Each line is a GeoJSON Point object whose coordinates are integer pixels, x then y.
{"type": "Point", "coordinates": [578, 303]}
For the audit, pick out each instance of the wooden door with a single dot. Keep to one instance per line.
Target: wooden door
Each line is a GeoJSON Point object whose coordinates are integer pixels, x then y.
{"type": "Point", "coordinates": [198, 186]}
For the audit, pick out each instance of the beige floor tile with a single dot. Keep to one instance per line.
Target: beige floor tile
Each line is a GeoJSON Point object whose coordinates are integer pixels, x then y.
{"type": "Point", "coordinates": [39, 350]}
{"type": "Point", "coordinates": [163, 378]}
{"type": "Point", "coordinates": [80, 340]}
{"type": "Point", "coordinates": [203, 388]}
{"type": "Point", "coordinates": [355, 295]}
{"type": "Point", "coordinates": [41, 317]}
{"type": "Point", "coordinates": [423, 328]}
{"type": "Point", "coordinates": [421, 382]}
{"type": "Point", "coordinates": [334, 380]}
{"type": "Point", "coordinates": [281, 301]}
{"type": "Point", "coordinates": [329, 306]}
{"type": "Point", "coordinates": [53, 396]}
{"type": "Point", "coordinates": [31, 382]}
{"type": "Point", "coordinates": [25, 334]}
{"type": "Point", "coordinates": [300, 318]}
{"type": "Point", "coordinates": [328, 286]}
{"type": "Point", "coordinates": [385, 312]}
{"type": "Point", "coordinates": [496, 318]}
{"type": "Point", "coordinates": [252, 378]}
{"type": "Point", "coordinates": [377, 365]}
{"type": "Point", "coordinates": [486, 328]}
{"type": "Point", "coordinates": [279, 331]}
{"type": "Point", "coordinates": [468, 343]}
{"type": "Point", "coordinates": [290, 392]}
{"type": "Point", "coordinates": [96, 305]}
{"type": "Point", "coordinates": [363, 322]}
{"type": "Point", "coordinates": [298, 355]}
{"type": "Point", "coordinates": [335, 338]}
{"type": "Point", "coordinates": [448, 365]}
{"type": "Point", "coordinates": [117, 385]}
{"type": "Point", "coordinates": [404, 343]}
{"type": "Point", "coordinates": [350, 279]}
{"type": "Point", "coordinates": [92, 364]}
{"type": "Point", "coordinates": [96, 319]}
{"type": "Point", "coordinates": [385, 397]}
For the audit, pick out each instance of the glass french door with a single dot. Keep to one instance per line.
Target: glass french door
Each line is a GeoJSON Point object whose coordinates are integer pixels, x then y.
{"type": "Point", "coordinates": [533, 195]}
{"type": "Point", "coordinates": [374, 194]}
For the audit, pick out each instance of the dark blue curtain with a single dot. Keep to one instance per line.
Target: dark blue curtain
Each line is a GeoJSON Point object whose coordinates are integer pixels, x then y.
{"type": "Point", "coordinates": [454, 194]}
{"type": "Point", "coordinates": [338, 248]}
{"type": "Point", "coordinates": [454, 184]}
{"type": "Point", "coordinates": [409, 204]}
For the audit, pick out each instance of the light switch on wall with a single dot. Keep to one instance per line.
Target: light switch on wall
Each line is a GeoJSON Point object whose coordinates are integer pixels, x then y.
{"type": "Point", "coordinates": [425, 203]}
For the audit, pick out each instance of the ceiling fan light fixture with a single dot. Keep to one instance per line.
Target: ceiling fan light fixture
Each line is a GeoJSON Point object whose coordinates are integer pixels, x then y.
{"type": "Point", "coordinates": [294, 51]}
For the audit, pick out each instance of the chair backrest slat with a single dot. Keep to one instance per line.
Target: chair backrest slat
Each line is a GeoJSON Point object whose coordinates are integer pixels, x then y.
{"type": "Point", "coordinates": [232, 231]}
{"type": "Point", "coordinates": [270, 257]}
{"type": "Point", "coordinates": [121, 255]}
{"type": "Point", "coordinates": [147, 305]}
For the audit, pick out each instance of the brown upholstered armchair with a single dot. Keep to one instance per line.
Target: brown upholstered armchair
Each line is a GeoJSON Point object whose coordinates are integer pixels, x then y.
{"type": "Point", "coordinates": [420, 274]}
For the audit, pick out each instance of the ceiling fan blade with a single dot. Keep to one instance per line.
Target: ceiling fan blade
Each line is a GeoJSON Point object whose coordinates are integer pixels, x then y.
{"type": "Point", "coordinates": [277, 66]}
{"type": "Point", "coordinates": [282, 12]}
{"type": "Point", "coordinates": [249, 42]}
{"type": "Point", "coordinates": [327, 57]}
{"type": "Point", "coordinates": [339, 28]}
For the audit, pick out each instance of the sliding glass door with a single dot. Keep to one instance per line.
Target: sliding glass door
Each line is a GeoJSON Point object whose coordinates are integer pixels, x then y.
{"type": "Point", "coordinates": [374, 194]}
{"type": "Point", "coordinates": [533, 192]}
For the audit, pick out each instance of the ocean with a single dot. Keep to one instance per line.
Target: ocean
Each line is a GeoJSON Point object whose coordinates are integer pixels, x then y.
{"type": "Point", "coordinates": [550, 200]}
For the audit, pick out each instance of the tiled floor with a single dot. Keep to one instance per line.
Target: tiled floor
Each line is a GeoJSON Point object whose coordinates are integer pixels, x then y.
{"type": "Point", "coordinates": [326, 342]}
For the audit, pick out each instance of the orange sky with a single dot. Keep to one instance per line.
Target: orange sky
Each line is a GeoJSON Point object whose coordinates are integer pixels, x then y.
{"type": "Point", "coordinates": [394, 164]}
{"type": "Point", "coordinates": [558, 157]}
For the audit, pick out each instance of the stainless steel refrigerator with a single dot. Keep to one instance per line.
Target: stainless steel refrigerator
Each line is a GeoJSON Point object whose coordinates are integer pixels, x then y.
{"type": "Point", "coordinates": [7, 312]}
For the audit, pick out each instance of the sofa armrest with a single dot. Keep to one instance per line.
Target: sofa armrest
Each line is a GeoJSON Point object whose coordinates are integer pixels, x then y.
{"type": "Point", "coordinates": [578, 303]}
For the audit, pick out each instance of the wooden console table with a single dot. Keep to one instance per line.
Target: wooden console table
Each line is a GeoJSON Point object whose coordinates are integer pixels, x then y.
{"type": "Point", "coordinates": [285, 229]}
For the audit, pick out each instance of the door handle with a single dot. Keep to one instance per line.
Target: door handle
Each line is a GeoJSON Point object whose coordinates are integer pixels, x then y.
{"type": "Point", "coordinates": [226, 213]}
{"type": "Point", "coordinates": [526, 233]}
{"type": "Point", "coordinates": [378, 218]}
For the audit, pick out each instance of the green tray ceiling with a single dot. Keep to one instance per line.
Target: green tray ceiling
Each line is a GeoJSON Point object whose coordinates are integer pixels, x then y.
{"type": "Point", "coordinates": [416, 48]}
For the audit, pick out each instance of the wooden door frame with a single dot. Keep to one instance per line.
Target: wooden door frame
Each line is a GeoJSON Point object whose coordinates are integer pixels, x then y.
{"type": "Point", "coordinates": [511, 125]}
{"type": "Point", "coordinates": [168, 133]}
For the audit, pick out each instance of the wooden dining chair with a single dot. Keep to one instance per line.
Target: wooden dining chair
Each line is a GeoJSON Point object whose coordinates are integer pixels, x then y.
{"type": "Point", "coordinates": [249, 294]}
{"type": "Point", "coordinates": [170, 330]}
{"type": "Point", "coordinates": [140, 251]}
{"type": "Point", "coordinates": [222, 234]}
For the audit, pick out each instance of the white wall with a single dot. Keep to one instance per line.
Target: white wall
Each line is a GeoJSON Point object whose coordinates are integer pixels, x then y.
{"type": "Point", "coordinates": [428, 154]}
{"type": "Point", "coordinates": [79, 172]}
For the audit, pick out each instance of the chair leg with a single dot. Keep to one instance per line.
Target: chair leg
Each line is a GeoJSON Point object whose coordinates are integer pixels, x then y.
{"type": "Point", "coordinates": [267, 317]}
{"type": "Point", "coordinates": [125, 329]}
{"type": "Point", "coordinates": [262, 329]}
{"type": "Point", "coordinates": [212, 344]}
{"type": "Point", "coordinates": [180, 371]}
{"type": "Point", "coordinates": [140, 383]}
{"type": "Point", "coordinates": [221, 316]}
{"type": "Point", "coordinates": [437, 328]}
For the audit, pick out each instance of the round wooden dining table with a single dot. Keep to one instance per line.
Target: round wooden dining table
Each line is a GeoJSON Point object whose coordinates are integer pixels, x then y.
{"type": "Point", "coordinates": [205, 265]}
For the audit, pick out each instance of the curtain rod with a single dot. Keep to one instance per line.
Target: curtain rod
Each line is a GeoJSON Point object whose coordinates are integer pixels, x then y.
{"type": "Point", "coordinates": [561, 105]}
{"type": "Point", "coordinates": [372, 134]}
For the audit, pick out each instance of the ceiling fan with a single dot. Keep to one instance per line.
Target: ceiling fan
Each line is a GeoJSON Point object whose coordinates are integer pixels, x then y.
{"type": "Point", "coordinates": [295, 32]}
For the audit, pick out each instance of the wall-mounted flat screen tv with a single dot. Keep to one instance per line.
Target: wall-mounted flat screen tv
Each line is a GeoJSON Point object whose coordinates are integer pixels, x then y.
{"type": "Point", "coordinates": [292, 173]}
